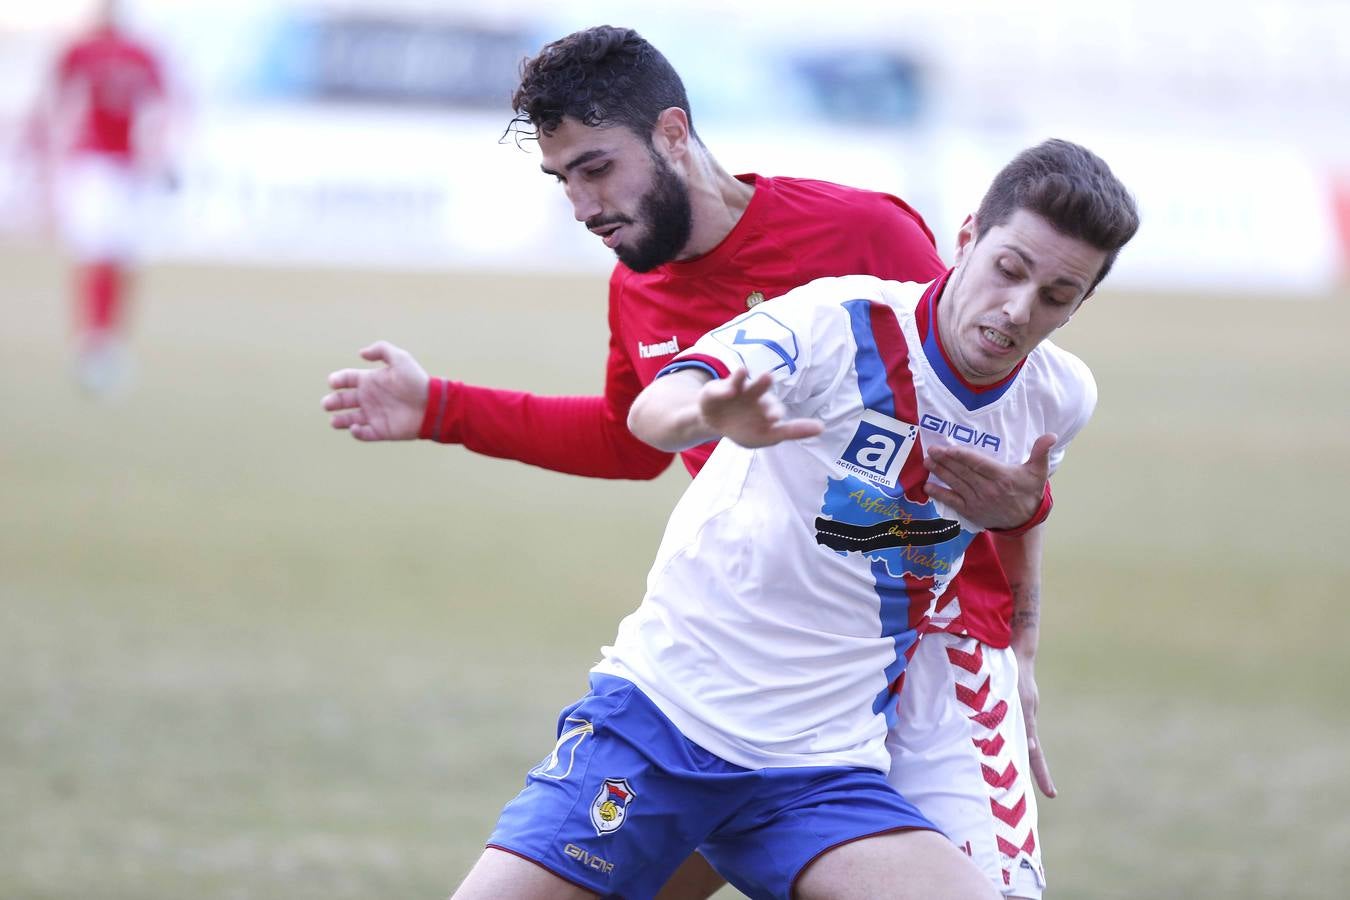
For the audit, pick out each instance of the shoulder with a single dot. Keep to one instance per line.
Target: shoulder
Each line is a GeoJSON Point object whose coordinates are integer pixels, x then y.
{"type": "Point", "coordinates": [623, 296]}
{"type": "Point", "coordinates": [836, 289]}
{"type": "Point", "coordinates": [827, 195]}
{"type": "Point", "coordinates": [619, 276]}
{"type": "Point", "coordinates": [1065, 379]}
{"type": "Point", "coordinates": [843, 303]}
{"type": "Point", "coordinates": [858, 229]}
{"type": "Point", "coordinates": [74, 54]}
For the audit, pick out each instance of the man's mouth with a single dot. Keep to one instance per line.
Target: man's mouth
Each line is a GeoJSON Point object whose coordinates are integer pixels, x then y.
{"type": "Point", "coordinates": [997, 338]}
{"type": "Point", "coordinates": [608, 232]}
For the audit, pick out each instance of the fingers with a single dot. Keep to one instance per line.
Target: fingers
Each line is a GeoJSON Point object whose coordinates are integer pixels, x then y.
{"type": "Point", "coordinates": [338, 400]}
{"type": "Point", "coordinates": [956, 478]}
{"type": "Point", "coordinates": [740, 383]}
{"type": "Point", "coordinates": [381, 351]}
{"type": "Point", "coordinates": [349, 419]}
{"type": "Point", "coordinates": [345, 378]}
{"type": "Point", "coordinates": [364, 432]}
{"type": "Point", "coordinates": [738, 387]}
{"type": "Point", "coordinates": [1039, 458]}
{"type": "Point", "coordinates": [759, 386]}
{"type": "Point", "coordinates": [1040, 769]}
{"type": "Point", "coordinates": [950, 455]}
{"type": "Point", "coordinates": [797, 429]}
{"type": "Point", "coordinates": [946, 496]}
{"type": "Point", "coordinates": [728, 388]}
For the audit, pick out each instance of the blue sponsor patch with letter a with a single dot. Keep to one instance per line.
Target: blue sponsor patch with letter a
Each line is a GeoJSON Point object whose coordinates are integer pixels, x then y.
{"type": "Point", "coordinates": [879, 448]}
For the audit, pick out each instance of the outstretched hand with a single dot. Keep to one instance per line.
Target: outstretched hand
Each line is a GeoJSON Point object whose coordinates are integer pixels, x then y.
{"type": "Point", "coordinates": [987, 492]}
{"type": "Point", "coordinates": [747, 411]}
{"type": "Point", "coordinates": [385, 403]}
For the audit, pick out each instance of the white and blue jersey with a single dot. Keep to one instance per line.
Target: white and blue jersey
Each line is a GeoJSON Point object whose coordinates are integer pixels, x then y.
{"type": "Point", "coordinates": [792, 580]}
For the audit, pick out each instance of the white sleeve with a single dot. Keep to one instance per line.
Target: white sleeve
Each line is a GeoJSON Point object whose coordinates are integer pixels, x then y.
{"type": "Point", "coordinates": [795, 338]}
{"type": "Point", "coordinates": [1077, 412]}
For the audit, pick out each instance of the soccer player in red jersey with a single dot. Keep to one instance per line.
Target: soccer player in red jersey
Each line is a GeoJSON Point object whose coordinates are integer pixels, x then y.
{"type": "Point", "coordinates": [100, 132]}
{"type": "Point", "coordinates": [697, 246]}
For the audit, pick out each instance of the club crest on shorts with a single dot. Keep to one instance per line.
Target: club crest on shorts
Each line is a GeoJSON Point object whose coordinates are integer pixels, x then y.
{"type": "Point", "coordinates": [609, 809]}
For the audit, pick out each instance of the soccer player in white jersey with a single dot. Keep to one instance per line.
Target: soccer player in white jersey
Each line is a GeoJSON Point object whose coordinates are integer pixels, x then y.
{"type": "Point", "coordinates": [744, 706]}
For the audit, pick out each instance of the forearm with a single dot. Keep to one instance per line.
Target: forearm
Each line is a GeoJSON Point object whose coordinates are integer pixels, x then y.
{"type": "Point", "coordinates": [574, 435]}
{"type": "Point", "coordinates": [667, 416]}
{"type": "Point", "coordinates": [1020, 556]}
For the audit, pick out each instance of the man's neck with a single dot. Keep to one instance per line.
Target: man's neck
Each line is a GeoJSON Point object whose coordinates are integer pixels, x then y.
{"type": "Point", "coordinates": [718, 201]}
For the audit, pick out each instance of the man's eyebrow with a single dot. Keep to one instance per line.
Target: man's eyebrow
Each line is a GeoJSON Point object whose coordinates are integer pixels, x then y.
{"type": "Point", "coordinates": [1031, 264]}
{"type": "Point", "coordinates": [579, 161]}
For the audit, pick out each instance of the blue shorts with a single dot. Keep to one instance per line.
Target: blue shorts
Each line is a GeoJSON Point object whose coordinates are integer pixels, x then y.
{"type": "Point", "coordinates": [624, 798]}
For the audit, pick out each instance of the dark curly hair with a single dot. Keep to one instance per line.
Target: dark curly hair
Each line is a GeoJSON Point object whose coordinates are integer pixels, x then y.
{"type": "Point", "coordinates": [1071, 188]}
{"type": "Point", "coordinates": [602, 76]}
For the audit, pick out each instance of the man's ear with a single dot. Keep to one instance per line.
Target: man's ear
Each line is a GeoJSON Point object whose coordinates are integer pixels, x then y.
{"type": "Point", "coordinates": [671, 133]}
{"type": "Point", "coordinates": [965, 238]}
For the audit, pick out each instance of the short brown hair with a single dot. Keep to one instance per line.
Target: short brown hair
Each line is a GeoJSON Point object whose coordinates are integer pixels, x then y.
{"type": "Point", "coordinates": [1071, 188]}
{"type": "Point", "coordinates": [601, 76]}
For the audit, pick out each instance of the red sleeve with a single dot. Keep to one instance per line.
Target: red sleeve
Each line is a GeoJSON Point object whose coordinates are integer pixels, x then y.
{"type": "Point", "coordinates": [576, 435]}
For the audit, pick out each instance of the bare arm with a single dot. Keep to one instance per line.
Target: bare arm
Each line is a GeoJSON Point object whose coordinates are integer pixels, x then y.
{"type": "Point", "coordinates": [687, 408]}
{"type": "Point", "coordinates": [1020, 556]}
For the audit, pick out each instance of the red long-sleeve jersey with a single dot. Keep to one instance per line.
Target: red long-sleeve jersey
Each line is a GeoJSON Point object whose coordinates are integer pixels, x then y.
{"type": "Point", "coordinates": [793, 231]}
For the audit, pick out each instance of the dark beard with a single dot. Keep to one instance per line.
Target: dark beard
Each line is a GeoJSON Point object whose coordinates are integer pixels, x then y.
{"type": "Point", "coordinates": [669, 218]}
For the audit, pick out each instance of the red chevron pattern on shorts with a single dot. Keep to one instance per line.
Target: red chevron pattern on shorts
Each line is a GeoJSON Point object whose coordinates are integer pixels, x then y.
{"type": "Point", "coordinates": [1010, 814]}
{"type": "Point", "coordinates": [997, 779]}
{"type": "Point", "coordinates": [990, 746]}
{"type": "Point", "coordinates": [971, 662]}
{"type": "Point", "coordinates": [974, 699]}
{"type": "Point", "coordinates": [993, 717]}
{"type": "Point", "coordinates": [1013, 825]}
{"type": "Point", "coordinates": [1011, 850]}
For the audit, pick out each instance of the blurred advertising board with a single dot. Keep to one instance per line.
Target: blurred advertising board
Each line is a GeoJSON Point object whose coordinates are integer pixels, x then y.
{"type": "Point", "coordinates": [376, 187]}
{"type": "Point", "coordinates": [357, 134]}
{"type": "Point", "coordinates": [379, 59]}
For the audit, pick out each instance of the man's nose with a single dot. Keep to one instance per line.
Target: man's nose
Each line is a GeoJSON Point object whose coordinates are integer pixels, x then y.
{"type": "Point", "coordinates": [1019, 304]}
{"type": "Point", "coordinates": [585, 204]}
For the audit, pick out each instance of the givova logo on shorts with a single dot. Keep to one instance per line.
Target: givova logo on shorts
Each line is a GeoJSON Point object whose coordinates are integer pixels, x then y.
{"type": "Point", "coordinates": [879, 448]}
{"type": "Point", "coordinates": [609, 809]}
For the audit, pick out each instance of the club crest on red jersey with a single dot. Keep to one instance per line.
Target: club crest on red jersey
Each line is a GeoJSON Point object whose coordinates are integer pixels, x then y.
{"type": "Point", "coordinates": [609, 809]}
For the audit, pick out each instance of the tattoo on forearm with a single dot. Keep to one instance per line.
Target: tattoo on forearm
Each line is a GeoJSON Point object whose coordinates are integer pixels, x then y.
{"type": "Point", "coordinates": [1026, 605]}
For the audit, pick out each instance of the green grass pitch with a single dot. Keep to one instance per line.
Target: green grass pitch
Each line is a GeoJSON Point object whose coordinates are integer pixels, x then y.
{"type": "Point", "coordinates": [244, 656]}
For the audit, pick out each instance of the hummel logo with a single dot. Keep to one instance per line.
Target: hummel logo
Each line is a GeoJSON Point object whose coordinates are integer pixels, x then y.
{"type": "Point", "coordinates": [665, 348]}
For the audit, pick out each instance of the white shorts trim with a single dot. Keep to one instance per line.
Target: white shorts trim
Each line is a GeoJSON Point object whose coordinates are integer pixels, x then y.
{"type": "Point", "coordinates": [959, 753]}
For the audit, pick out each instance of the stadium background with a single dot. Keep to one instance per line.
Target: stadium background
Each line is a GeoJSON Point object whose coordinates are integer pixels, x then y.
{"type": "Point", "coordinates": [242, 656]}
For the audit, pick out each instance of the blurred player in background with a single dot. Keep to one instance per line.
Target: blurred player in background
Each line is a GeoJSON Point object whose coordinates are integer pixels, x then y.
{"type": "Point", "coordinates": [100, 131]}
{"type": "Point", "coordinates": [744, 706]}
{"type": "Point", "coordinates": [697, 246]}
